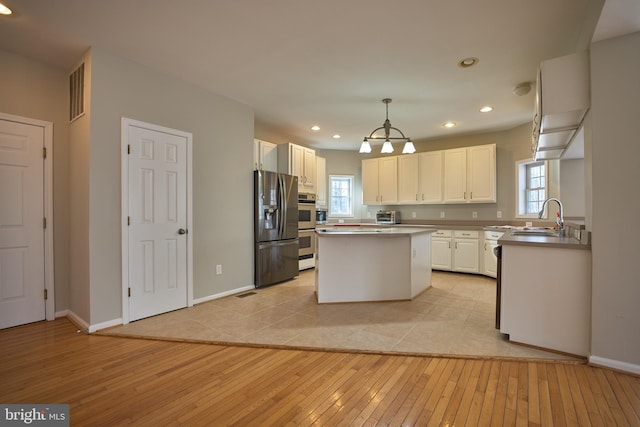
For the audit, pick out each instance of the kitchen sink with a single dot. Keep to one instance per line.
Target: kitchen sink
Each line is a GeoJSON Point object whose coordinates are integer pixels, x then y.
{"type": "Point", "coordinates": [535, 232]}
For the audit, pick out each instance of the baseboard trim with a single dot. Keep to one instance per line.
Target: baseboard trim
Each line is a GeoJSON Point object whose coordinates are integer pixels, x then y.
{"type": "Point", "coordinates": [104, 325]}
{"type": "Point", "coordinates": [615, 364]}
{"type": "Point", "coordinates": [223, 294]}
{"type": "Point", "coordinates": [77, 320]}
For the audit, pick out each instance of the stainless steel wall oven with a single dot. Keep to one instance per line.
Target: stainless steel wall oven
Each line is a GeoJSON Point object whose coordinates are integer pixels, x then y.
{"type": "Point", "coordinates": [306, 230]}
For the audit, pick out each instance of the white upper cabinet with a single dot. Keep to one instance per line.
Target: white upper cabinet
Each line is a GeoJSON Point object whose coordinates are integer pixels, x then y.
{"type": "Point", "coordinates": [562, 100]}
{"type": "Point", "coordinates": [408, 179]}
{"type": "Point", "coordinates": [380, 181]}
{"type": "Point", "coordinates": [481, 173]}
{"type": "Point", "coordinates": [301, 162]}
{"type": "Point", "coordinates": [430, 177]}
{"type": "Point", "coordinates": [265, 156]}
{"type": "Point", "coordinates": [455, 176]}
{"type": "Point", "coordinates": [460, 175]}
{"type": "Point", "coordinates": [321, 181]}
{"type": "Point", "coordinates": [420, 178]}
{"type": "Point", "coordinates": [470, 174]}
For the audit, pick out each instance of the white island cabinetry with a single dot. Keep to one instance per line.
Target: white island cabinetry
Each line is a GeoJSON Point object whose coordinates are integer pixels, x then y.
{"type": "Point", "coordinates": [372, 264]}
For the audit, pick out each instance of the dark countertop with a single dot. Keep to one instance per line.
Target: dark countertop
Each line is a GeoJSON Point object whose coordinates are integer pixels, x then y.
{"type": "Point", "coordinates": [564, 242]}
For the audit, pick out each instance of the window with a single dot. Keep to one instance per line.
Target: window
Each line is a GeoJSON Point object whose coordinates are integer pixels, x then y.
{"type": "Point", "coordinates": [341, 195]}
{"type": "Point", "coordinates": [532, 187]}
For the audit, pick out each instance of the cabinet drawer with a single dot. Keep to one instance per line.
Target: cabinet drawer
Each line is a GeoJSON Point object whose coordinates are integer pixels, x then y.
{"type": "Point", "coordinates": [466, 234]}
{"type": "Point", "coordinates": [442, 233]}
{"type": "Point", "coordinates": [492, 235]}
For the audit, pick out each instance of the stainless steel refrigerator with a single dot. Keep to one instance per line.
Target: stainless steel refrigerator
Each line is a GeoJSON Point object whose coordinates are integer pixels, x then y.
{"type": "Point", "coordinates": [276, 227]}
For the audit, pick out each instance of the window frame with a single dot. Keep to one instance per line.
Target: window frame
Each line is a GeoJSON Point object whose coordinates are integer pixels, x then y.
{"type": "Point", "coordinates": [350, 197]}
{"type": "Point", "coordinates": [522, 172]}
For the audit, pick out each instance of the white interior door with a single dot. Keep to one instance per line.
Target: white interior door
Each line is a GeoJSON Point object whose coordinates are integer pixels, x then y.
{"type": "Point", "coordinates": [22, 232]}
{"type": "Point", "coordinates": [157, 231]}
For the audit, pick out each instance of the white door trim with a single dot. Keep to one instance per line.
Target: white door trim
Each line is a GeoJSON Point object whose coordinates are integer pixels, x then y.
{"type": "Point", "coordinates": [49, 282]}
{"type": "Point", "coordinates": [124, 202]}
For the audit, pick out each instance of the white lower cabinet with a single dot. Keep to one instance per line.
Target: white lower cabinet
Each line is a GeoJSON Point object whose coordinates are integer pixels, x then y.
{"type": "Point", "coordinates": [489, 260]}
{"type": "Point", "coordinates": [441, 255]}
{"type": "Point", "coordinates": [465, 251]}
{"type": "Point", "coordinates": [455, 250]}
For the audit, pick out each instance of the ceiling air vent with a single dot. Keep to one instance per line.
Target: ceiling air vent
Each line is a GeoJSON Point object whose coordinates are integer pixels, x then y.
{"type": "Point", "coordinates": [76, 93]}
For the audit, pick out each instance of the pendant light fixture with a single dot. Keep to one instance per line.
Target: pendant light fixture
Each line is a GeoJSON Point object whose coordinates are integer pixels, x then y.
{"type": "Point", "coordinates": [387, 147]}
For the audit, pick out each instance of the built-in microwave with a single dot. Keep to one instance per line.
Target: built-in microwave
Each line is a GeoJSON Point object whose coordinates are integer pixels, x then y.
{"type": "Point", "coordinates": [387, 217]}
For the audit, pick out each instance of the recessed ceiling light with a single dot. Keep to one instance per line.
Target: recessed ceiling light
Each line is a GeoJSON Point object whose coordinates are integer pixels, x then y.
{"type": "Point", "coordinates": [336, 136]}
{"type": "Point", "coordinates": [468, 62]}
{"type": "Point", "coordinates": [449, 124]}
{"type": "Point", "coordinates": [486, 109]}
{"type": "Point", "coordinates": [315, 127]}
{"type": "Point", "coordinates": [4, 10]}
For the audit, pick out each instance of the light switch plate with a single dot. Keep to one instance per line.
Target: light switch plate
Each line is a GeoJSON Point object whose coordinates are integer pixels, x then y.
{"type": "Point", "coordinates": [441, 214]}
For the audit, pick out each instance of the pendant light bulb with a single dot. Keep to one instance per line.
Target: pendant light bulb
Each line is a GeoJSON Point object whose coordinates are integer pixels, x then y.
{"type": "Point", "coordinates": [365, 147]}
{"type": "Point", "coordinates": [387, 147]}
{"type": "Point", "coordinates": [409, 148]}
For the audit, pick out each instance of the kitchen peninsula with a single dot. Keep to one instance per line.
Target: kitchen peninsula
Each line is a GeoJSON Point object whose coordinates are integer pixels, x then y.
{"type": "Point", "coordinates": [372, 263]}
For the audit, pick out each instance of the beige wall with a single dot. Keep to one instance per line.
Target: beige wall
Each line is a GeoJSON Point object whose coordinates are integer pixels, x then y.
{"type": "Point", "coordinates": [615, 91]}
{"type": "Point", "coordinates": [222, 179]}
{"type": "Point", "coordinates": [35, 90]}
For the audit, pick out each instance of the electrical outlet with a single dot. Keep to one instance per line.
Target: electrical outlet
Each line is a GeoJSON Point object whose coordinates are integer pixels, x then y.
{"type": "Point", "coordinates": [474, 214]}
{"type": "Point", "coordinates": [341, 221]}
{"type": "Point", "coordinates": [219, 269]}
{"type": "Point", "coordinates": [528, 224]}
{"type": "Point", "coordinates": [368, 214]}
{"type": "Point", "coordinates": [499, 214]}
{"type": "Point", "coordinates": [413, 214]}
{"type": "Point", "coordinates": [441, 214]}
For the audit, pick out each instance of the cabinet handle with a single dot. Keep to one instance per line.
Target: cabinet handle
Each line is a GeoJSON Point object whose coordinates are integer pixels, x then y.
{"type": "Point", "coordinates": [485, 246]}
{"type": "Point", "coordinates": [416, 197]}
{"type": "Point", "coordinates": [471, 196]}
{"type": "Point", "coordinates": [449, 245]}
{"type": "Point", "coordinates": [422, 196]}
{"type": "Point", "coordinates": [466, 234]}
{"type": "Point", "coordinates": [465, 195]}
{"type": "Point", "coordinates": [261, 167]}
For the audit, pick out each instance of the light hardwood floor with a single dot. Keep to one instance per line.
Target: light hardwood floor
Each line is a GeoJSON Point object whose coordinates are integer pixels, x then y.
{"type": "Point", "coordinates": [112, 381]}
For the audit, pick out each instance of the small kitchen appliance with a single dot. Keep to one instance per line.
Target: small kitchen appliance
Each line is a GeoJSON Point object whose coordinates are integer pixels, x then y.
{"type": "Point", "coordinates": [387, 217]}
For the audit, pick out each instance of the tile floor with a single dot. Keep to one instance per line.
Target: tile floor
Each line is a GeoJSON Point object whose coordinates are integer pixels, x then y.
{"type": "Point", "coordinates": [453, 317]}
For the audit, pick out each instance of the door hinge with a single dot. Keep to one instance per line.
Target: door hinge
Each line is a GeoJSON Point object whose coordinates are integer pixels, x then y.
{"type": "Point", "coordinates": [44, 223]}
{"type": "Point", "coordinates": [46, 293]}
{"type": "Point", "coordinates": [129, 292]}
{"type": "Point", "coordinates": [128, 148]}
{"type": "Point", "coordinates": [44, 152]}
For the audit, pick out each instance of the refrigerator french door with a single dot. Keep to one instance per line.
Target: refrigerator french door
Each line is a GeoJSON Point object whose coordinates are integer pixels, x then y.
{"type": "Point", "coordinates": [276, 227]}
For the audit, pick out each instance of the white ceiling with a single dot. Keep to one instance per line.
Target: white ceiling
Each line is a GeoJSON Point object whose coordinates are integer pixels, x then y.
{"type": "Point", "coordinates": [299, 62]}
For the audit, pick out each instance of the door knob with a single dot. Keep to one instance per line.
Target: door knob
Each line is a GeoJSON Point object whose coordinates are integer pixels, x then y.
{"type": "Point", "coordinates": [182, 231]}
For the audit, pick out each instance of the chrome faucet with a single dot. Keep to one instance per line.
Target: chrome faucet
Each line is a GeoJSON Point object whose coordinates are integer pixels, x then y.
{"type": "Point", "coordinates": [561, 222]}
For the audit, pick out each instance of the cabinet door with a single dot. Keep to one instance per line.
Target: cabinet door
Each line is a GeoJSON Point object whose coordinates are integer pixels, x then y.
{"type": "Point", "coordinates": [481, 184]}
{"type": "Point", "coordinates": [309, 169]}
{"type": "Point", "coordinates": [441, 254]}
{"type": "Point", "coordinates": [370, 182]}
{"type": "Point", "coordinates": [466, 255]}
{"type": "Point", "coordinates": [388, 179]}
{"type": "Point", "coordinates": [321, 181]}
{"type": "Point", "coordinates": [455, 175]}
{"type": "Point", "coordinates": [268, 156]}
{"type": "Point", "coordinates": [490, 262]}
{"type": "Point", "coordinates": [296, 166]}
{"type": "Point", "coordinates": [430, 177]}
{"type": "Point", "coordinates": [408, 179]}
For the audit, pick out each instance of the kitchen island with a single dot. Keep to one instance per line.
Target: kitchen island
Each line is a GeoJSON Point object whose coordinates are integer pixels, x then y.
{"type": "Point", "coordinates": [372, 264]}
